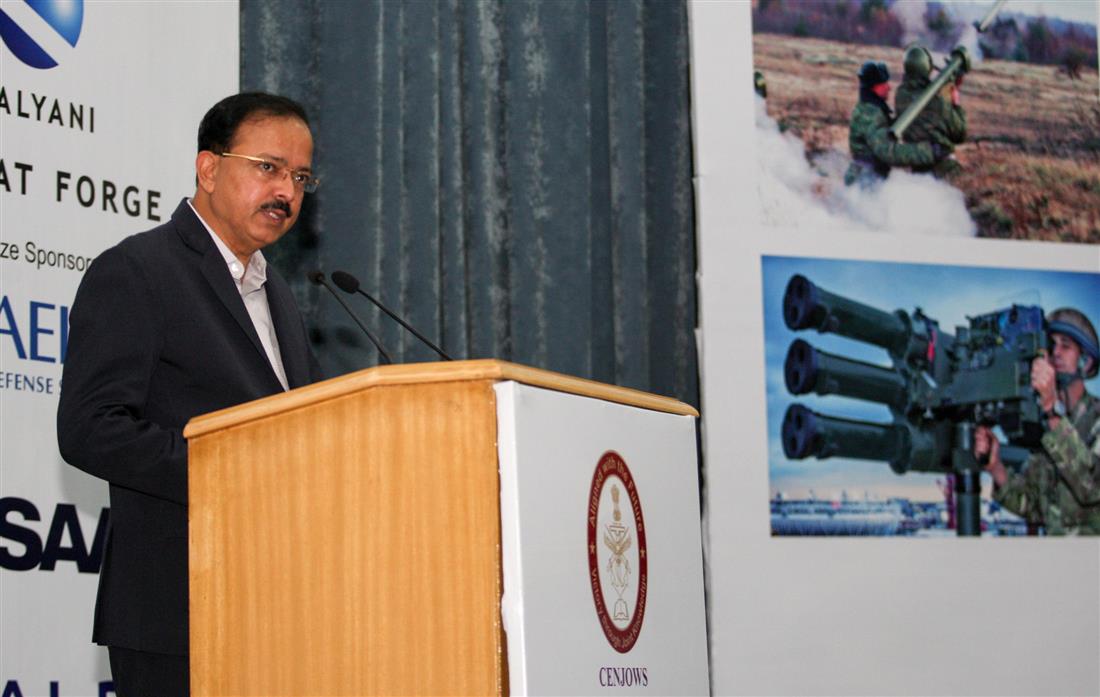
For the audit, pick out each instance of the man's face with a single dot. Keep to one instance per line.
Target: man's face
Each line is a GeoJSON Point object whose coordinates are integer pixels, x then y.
{"type": "Point", "coordinates": [1064, 353]}
{"type": "Point", "coordinates": [250, 210]}
{"type": "Point", "coordinates": [882, 89]}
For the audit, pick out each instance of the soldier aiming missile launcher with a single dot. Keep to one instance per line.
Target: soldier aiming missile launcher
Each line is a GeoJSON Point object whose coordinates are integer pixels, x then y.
{"type": "Point", "coordinates": [938, 389]}
{"type": "Point", "coordinates": [959, 64]}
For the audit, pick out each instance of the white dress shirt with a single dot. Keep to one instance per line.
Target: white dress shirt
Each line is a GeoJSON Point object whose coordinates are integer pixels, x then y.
{"type": "Point", "coordinates": [250, 282]}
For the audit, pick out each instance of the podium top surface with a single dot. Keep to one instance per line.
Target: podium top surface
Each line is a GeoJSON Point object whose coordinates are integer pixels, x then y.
{"type": "Point", "coordinates": [420, 373]}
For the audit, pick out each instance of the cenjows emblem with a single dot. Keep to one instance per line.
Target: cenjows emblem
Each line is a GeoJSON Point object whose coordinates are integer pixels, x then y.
{"type": "Point", "coordinates": [617, 564]}
{"type": "Point", "coordinates": [65, 17]}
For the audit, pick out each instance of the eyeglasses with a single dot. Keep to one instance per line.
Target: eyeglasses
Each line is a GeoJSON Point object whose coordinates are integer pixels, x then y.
{"type": "Point", "coordinates": [270, 171]}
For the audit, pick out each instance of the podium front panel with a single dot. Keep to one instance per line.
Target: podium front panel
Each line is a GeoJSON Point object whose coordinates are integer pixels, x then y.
{"type": "Point", "coordinates": [601, 547]}
{"type": "Point", "coordinates": [349, 546]}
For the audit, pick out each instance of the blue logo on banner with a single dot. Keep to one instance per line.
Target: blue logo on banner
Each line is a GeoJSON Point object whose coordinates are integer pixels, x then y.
{"type": "Point", "coordinates": [65, 17]}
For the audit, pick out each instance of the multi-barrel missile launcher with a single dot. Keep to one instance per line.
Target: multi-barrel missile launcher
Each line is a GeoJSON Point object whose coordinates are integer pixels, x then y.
{"type": "Point", "coordinates": [938, 389]}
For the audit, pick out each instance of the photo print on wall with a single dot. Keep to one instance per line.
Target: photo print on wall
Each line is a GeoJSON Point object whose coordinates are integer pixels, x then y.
{"type": "Point", "coordinates": [945, 118]}
{"type": "Point", "coordinates": [883, 378]}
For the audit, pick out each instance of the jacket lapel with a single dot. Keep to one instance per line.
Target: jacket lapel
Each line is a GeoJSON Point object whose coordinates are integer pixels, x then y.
{"type": "Point", "coordinates": [217, 275]}
{"type": "Point", "coordinates": [213, 268]}
{"type": "Point", "coordinates": [288, 329]}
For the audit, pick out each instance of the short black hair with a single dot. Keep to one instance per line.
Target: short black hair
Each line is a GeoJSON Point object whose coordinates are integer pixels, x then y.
{"type": "Point", "coordinates": [220, 124]}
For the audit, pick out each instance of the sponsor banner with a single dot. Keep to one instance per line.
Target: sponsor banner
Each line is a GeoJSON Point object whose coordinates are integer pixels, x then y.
{"type": "Point", "coordinates": [603, 583]}
{"type": "Point", "coordinates": [99, 107]}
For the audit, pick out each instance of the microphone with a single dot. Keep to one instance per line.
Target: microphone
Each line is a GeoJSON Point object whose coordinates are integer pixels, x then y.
{"type": "Point", "coordinates": [350, 284]}
{"type": "Point", "coordinates": [319, 279]}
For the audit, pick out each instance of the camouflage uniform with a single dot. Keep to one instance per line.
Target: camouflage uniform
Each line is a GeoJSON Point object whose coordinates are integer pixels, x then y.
{"type": "Point", "coordinates": [940, 122]}
{"type": "Point", "coordinates": [1059, 487]}
{"type": "Point", "coordinates": [874, 152]}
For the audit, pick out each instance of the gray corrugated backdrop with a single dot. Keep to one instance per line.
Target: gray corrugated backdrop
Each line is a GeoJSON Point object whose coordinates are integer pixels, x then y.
{"type": "Point", "coordinates": [514, 176]}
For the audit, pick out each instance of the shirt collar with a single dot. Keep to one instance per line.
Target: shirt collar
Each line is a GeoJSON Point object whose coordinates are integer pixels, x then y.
{"type": "Point", "coordinates": [257, 264]}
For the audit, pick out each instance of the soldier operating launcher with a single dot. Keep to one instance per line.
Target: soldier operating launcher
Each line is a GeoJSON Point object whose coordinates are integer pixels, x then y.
{"type": "Point", "coordinates": [938, 389]}
{"type": "Point", "coordinates": [959, 64]}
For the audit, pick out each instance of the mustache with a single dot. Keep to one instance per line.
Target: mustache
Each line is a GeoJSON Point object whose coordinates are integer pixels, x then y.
{"type": "Point", "coordinates": [277, 205]}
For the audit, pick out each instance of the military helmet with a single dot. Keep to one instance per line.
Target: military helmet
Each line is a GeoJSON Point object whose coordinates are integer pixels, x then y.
{"type": "Point", "coordinates": [1074, 324]}
{"type": "Point", "coordinates": [918, 62]}
{"type": "Point", "coordinates": [873, 73]}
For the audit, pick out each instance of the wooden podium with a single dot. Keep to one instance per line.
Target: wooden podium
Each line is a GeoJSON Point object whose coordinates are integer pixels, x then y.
{"type": "Point", "coordinates": [345, 537]}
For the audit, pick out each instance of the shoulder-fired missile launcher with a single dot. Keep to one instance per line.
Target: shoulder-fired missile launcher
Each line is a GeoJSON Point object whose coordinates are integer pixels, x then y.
{"type": "Point", "coordinates": [938, 388]}
{"type": "Point", "coordinates": [958, 64]}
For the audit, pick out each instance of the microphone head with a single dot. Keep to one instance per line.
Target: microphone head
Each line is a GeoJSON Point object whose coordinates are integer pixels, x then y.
{"type": "Point", "coordinates": [316, 276]}
{"type": "Point", "coordinates": [345, 281]}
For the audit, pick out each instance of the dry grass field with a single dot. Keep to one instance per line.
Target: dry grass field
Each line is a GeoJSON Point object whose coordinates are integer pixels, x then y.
{"type": "Point", "coordinates": [1032, 160]}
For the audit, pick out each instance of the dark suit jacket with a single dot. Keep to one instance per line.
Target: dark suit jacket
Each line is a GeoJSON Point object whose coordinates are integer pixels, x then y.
{"type": "Point", "coordinates": [159, 334]}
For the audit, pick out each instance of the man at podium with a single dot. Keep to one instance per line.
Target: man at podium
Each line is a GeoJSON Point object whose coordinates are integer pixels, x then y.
{"type": "Point", "coordinates": [177, 321]}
